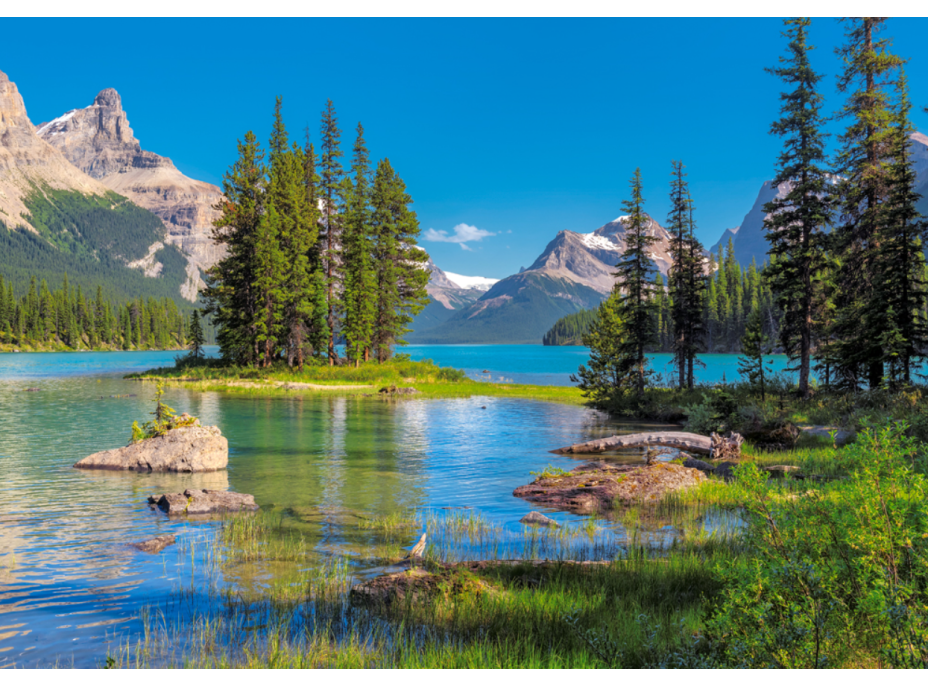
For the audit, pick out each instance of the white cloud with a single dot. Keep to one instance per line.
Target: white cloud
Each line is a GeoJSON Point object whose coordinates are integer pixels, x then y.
{"type": "Point", "coordinates": [462, 235]}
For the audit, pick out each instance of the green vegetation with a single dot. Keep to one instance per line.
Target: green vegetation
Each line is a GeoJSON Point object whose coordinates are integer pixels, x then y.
{"type": "Point", "coordinates": [165, 420]}
{"type": "Point", "coordinates": [570, 330]}
{"type": "Point", "coordinates": [65, 319]}
{"type": "Point", "coordinates": [313, 253]}
{"type": "Point", "coordinates": [91, 238]}
{"type": "Point", "coordinates": [827, 574]}
{"type": "Point", "coordinates": [367, 378]}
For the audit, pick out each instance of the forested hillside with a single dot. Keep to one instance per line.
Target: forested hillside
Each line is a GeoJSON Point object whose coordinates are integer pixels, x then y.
{"type": "Point", "coordinates": [66, 318]}
{"type": "Point", "coordinates": [730, 295]}
{"type": "Point", "coordinates": [92, 239]}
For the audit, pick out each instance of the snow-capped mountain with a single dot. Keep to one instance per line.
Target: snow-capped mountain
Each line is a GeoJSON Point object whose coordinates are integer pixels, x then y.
{"type": "Point", "coordinates": [574, 271]}
{"type": "Point", "coordinates": [477, 283]}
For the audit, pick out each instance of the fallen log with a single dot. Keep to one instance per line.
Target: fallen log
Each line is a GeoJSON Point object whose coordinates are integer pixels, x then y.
{"type": "Point", "coordinates": [714, 446]}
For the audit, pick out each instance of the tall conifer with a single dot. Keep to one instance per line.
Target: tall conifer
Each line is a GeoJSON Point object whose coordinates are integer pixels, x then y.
{"type": "Point", "coordinates": [796, 224]}
{"type": "Point", "coordinates": [635, 274]}
{"type": "Point", "coordinates": [331, 194]}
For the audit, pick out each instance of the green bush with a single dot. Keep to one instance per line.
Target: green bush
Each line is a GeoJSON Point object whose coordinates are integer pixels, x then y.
{"type": "Point", "coordinates": [836, 575]}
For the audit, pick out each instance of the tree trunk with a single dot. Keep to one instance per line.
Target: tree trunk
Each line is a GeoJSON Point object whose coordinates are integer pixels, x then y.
{"type": "Point", "coordinates": [681, 440]}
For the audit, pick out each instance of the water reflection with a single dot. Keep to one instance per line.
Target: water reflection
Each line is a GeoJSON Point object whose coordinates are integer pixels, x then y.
{"type": "Point", "coordinates": [69, 584]}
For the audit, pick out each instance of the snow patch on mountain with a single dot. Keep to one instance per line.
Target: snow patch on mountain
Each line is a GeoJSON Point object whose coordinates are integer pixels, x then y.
{"type": "Point", "coordinates": [598, 241]}
{"type": "Point", "coordinates": [480, 283]}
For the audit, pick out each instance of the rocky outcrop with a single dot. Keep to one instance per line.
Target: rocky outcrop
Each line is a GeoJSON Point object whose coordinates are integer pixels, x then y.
{"type": "Point", "coordinates": [154, 545]}
{"type": "Point", "coordinates": [188, 449]}
{"type": "Point", "coordinates": [599, 486]}
{"type": "Point", "coordinates": [98, 140]}
{"type": "Point", "coordinates": [203, 502]}
{"type": "Point", "coordinates": [538, 519]}
{"type": "Point", "coordinates": [27, 162]}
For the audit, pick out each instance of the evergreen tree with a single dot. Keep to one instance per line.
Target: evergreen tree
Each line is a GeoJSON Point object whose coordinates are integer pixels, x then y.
{"type": "Point", "coordinates": [400, 275]}
{"type": "Point", "coordinates": [196, 335]}
{"type": "Point", "coordinates": [796, 224]}
{"type": "Point", "coordinates": [754, 348]}
{"type": "Point", "coordinates": [270, 287]}
{"type": "Point", "coordinates": [900, 282]}
{"type": "Point", "coordinates": [863, 164]}
{"type": "Point", "coordinates": [359, 297]}
{"type": "Point", "coordinates": [606, 378]}
{"type": "Point", "coordinates": [297, 235]}
{"type": "Point", "coordinates": [687, 281]}
{"type": "Point", "coordinates": [634, 272]}
{"type": "Point", "coordinates": [331, 194]}
{"type": "Point", "coordinates": [230, 294]}
{"type": "Point", "coordinates": [317, 329]}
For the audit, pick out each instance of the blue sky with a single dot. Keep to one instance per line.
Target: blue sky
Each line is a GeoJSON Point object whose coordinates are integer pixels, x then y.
{"type": "Point", "coordinates": [509, 129]}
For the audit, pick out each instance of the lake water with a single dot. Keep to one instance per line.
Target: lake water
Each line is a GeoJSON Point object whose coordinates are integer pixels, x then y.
{"type": "Point", "coordinates": [71, 588]}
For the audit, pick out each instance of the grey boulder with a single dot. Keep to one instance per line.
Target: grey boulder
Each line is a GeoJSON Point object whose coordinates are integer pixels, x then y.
{"type": "Point", "coordinates": [538, 519]}
{"type": "Point", "coordinates": [188, 449]}
{"type": "Point", "coordinates": [203, 502]}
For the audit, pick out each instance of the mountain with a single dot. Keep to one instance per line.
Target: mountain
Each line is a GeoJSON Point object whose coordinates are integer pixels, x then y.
{"type": "Point", "coordinates": [54, 218]}
{"type": "Point", "coordinates": [574, 272]}
{"type": "Point", "coordinates": [98, 140]}
{"type": "Point", "coordinates": [750, 241]}
{"type": "Point", "coordinates": [447, 298]}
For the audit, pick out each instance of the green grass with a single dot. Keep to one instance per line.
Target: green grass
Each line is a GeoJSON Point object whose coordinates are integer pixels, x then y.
{"type": "Point", "coordinates": [426, 377]}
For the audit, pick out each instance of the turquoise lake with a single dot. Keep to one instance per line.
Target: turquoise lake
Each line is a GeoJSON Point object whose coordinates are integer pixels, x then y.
{"type": "Point", "coordinates": [71, 588]}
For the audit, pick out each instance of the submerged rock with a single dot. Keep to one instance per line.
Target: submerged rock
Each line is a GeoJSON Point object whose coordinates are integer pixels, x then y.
{"type": "Point", "coordinates": [417, 583]}
{"type": "Point", "coordinates": [188, 449]}
{"type": "Point", "coordinates": [538, 519]}
{"type": "Point", "coordinates": [202, 502]}
{"type": "Point", "coordinates": [398, 390]}
{"type": "Point", "coordinates": [599, 486]}
{"type": "Point", "coordinates": [154, 545]}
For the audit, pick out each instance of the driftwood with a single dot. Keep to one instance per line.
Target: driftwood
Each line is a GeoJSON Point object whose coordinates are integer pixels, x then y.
{"type": "Point", "coordinates": [717, 447]}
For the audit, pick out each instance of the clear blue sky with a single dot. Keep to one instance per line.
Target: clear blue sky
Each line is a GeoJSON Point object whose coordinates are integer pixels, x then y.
{"type": "Point", "coordinates": [519, 128]}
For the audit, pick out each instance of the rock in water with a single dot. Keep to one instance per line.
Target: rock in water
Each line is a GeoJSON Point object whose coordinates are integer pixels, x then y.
{"type": "Point", "coordinates": [188, 449]}
{"type": "Point", "coordinates": [539, 519]}
{"type": "Point", "coordinates": [154, 545]}
{"type": "Point", "coordinates": [201, 502]}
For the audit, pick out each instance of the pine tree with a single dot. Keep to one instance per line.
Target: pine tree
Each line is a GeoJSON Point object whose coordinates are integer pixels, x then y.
{"type": "Point", "coordinates": [196, 335]}
{"type": "Point", "coordinates": [230, 292]}
{"type": "Point", "coordinates": [606, 379]}
{"type": "Point", "coordinates": [359, 296]}
{"type": "Point", "coordinates": [297, 235]}
{"type": "Point", "coordinates": [270, 287]}
{"type": "Point", "coordinates": [317, 329]}
{"type": "Point", "coordinates": [754, 348]}
{"type": "Point", "coordinates": [400, 275]}
{"type": "Point", "coordinates": [331, 194]}
{"type": "Point", "coordinates": [797, 223]}
{"type": "Point", "coordinates": [634, 272]}
{"type": "Point", "coordinates": [866, 148]}
{"type": "Point", "coordinates": [687, 281]}
{"type": "Point", "coordinates": [900, 282]}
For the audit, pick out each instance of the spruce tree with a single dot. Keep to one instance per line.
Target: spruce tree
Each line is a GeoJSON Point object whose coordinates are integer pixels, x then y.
{"type": "Point", "coordinates": [797, 223]}
{"type": "Point", "coordinates": [196, 335]}
{"type": "Point", "coordinates": [605, 379]}
{"type": "Point", "coordinates": [317, 328]}
{"type": "Point", "coordinates": [754, 347]}
{"type": "Point", "coordinates": [400, 273]}
{"type": "Point", "coordinates": [270, 287]}
{"type": "Point", "coordinates": [331, 194]}
{"type": "Point", "coordinates": [687, 280]}
{"type": "Point", "coordinates": [900, 282]}
{"type": "Point", "coordinates": [297, 235]}
{"type": "Point", "coordinates": [634, 273]}
{"type": "Point", "coordinates": [866, 148]}
{"type": "Point", "coordinates": [359, 296]}
{"type": "Point", "coordinates": [230, 294]}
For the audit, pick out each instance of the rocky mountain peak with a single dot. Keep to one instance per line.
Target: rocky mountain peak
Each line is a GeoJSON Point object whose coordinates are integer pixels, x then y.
{"type": "Point", "coordinates": [109, 98]}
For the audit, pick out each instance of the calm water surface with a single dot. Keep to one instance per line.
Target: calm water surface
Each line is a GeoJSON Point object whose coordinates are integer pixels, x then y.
{"type": "Point", "coordinates": [71, 588]}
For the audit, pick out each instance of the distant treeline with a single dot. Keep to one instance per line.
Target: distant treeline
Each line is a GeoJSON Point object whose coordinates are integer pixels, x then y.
{"type": "Point", "coordinates": [66, 318]}
{"type": "Point", "coordinates": [731, 293]}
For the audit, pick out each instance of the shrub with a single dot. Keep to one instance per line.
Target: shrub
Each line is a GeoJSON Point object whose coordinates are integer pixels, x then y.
{"type": "Point", "coordinates": [834, 573]}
